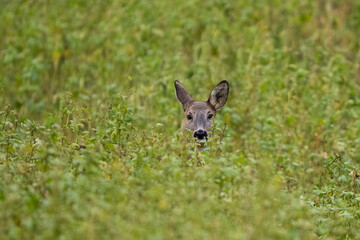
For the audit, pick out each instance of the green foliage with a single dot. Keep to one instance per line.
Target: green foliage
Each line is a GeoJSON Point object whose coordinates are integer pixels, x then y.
{"type": "Point", "coordinates": [338, 194]}
{"type": "Point", "coordinates": [89, 124]}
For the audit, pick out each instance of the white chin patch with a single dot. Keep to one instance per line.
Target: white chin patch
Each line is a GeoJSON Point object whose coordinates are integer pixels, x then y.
{"type": "Point", "coordinates": [201, 142]}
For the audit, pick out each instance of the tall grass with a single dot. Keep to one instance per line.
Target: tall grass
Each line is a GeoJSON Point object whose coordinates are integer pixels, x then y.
{"type": "Point", "coordinates": [89, 140]}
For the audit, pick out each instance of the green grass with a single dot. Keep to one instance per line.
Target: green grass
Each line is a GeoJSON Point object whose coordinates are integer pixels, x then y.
{"type": "Point", "coordinates": [100, 74]}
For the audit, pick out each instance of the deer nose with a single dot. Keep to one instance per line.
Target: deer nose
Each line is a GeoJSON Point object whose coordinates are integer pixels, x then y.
{"type": "Point", "coordinates": [200, 134]}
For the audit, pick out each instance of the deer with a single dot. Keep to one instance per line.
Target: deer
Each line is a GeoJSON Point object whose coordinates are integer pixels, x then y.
{"type": "Point", "coordinates": [200, 115]}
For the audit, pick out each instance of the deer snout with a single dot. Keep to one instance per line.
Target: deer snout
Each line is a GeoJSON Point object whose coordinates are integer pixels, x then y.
{"type": "Point", "coordinates": [200, 134]}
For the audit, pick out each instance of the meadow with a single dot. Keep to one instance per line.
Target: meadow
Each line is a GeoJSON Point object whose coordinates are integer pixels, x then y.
{"type": "Point", "coordinates": [90, 146]}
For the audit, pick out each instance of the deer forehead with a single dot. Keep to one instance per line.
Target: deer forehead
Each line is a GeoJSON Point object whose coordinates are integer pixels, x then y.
{"type": "Point", "coordinates": [200, 107]}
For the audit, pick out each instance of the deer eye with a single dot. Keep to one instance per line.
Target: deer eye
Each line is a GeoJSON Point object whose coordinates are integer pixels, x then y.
{"type": "Point", "coordinates": [210, 116]}
{"type": "Point", "coordinates": [189, 117]}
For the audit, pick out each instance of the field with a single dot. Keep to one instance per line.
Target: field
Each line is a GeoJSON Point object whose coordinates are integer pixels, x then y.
{"type": "Point", "coordinates": [90, 146]}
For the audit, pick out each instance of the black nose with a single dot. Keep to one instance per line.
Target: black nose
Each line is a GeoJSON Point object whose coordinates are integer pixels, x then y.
{"type": "Point", "coordinates": [200, 134]}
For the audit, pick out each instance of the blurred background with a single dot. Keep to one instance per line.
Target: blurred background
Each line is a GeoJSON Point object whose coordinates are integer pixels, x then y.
{"type": "Point", "coordinates": [293, 56]}
{"type": "Point", "coordinates": [287, 62]}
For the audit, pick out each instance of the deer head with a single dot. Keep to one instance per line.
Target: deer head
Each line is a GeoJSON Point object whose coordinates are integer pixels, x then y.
{"type": "Point", "coordinates": [199, 116]}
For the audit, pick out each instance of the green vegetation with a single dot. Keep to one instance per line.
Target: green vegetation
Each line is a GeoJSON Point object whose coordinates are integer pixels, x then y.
{"type": "Point", "coordinates": [100, 74]}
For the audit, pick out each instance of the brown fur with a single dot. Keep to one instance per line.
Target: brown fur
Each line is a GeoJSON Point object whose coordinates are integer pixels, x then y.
{"type": "Point", "coordinates": [199, 116]}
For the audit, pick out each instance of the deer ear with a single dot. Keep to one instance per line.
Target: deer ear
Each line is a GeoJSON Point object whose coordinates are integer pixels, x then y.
{"type": "Point", "coordinates": [219, 95]}
{"type": "Point", "coordinates": [182, 95]}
